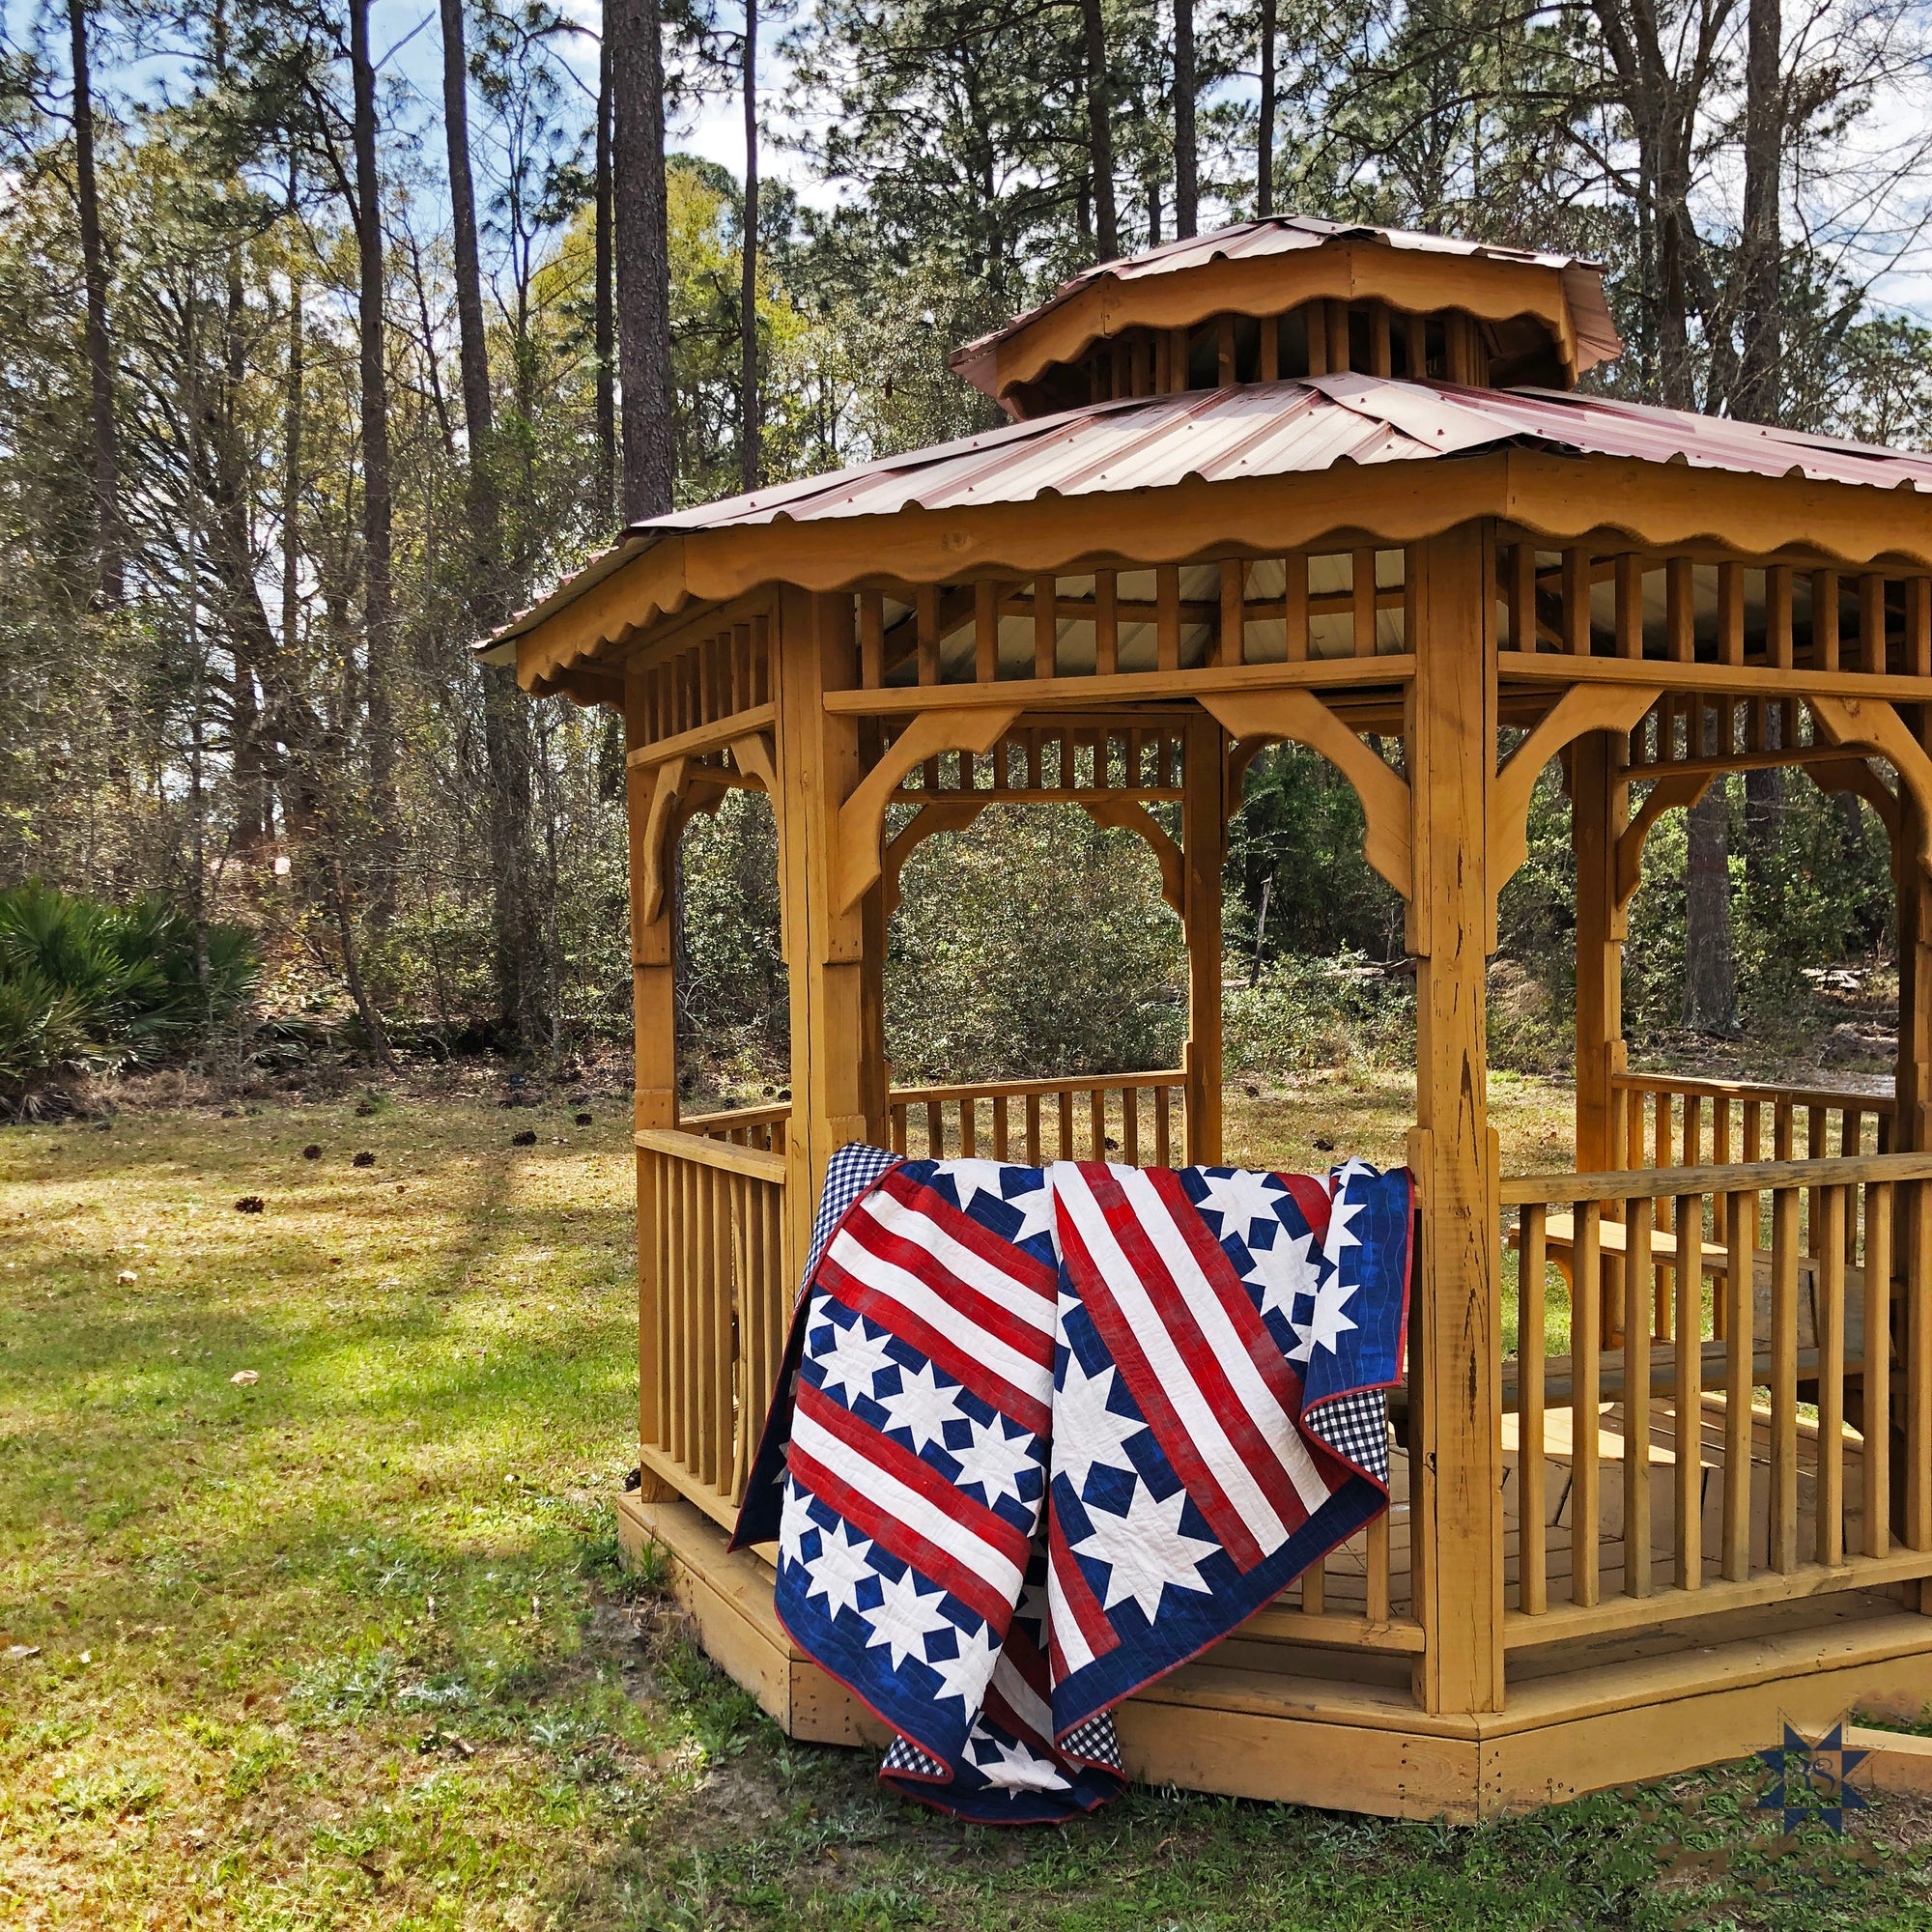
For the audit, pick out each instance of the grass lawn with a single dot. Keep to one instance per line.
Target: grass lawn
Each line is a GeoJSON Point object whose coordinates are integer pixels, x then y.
{"type": "Point", "coordinates": [347, 1645]}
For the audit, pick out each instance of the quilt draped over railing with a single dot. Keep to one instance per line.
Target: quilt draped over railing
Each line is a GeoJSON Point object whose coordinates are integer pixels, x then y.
{"type": "Point", "coordinates": [1042, 1434]}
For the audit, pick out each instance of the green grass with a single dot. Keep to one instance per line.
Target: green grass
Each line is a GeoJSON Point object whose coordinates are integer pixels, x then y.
{"type": "Point", "coordinates": [348, 1647]}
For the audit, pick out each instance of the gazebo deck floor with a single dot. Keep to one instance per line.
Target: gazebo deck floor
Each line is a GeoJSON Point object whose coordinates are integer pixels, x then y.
{"type": "Point", "coordinates": [1264, 1716]}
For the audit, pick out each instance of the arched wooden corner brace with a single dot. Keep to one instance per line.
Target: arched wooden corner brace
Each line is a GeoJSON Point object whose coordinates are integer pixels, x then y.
{"type": "Point", "coordinates": [1676, 788]}
{"type": "Point", "coordinates": [1874, 723]}
{"type": "Point", "coordinates": [1301, 716]}
{"type": "Point", "coordinates": [684, 788]}
{"type": "Point", "coordinates": [861, 819]}
{"type": "Point", "coordinates": [1584, 707]}
{"type": "Point", "coordinates": [1856, 776]}
{"type": "Point", "coordinates": [1128, 814]}
{"type": "Point", "coordinates": [948, 814]}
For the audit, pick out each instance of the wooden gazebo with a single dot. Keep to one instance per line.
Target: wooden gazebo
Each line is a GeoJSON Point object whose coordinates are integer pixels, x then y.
{"type": "Point", "coordinates": [1663, 1465]}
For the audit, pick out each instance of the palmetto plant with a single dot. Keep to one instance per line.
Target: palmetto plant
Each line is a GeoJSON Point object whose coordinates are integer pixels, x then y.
{"type": "Point", "coordinates": [87, 988]}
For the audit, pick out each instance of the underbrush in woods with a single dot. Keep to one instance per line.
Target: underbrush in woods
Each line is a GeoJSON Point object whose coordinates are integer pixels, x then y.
{"type": "Point", "coordinates": [347, 1645]}
{"type": "Point", "coordinates": [88, 988]}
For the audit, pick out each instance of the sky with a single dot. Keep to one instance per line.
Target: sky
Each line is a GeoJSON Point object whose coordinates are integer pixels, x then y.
{"type": "Point", "coordinates": [405, 36]}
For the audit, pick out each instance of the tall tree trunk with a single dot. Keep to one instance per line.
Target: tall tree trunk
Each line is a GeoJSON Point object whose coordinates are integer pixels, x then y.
{"type": "Point", "coordinates": [1710, 974]}
{"type": "Point", "coordinates": [516, 930]}
{"type": "Point", "coordinates": [1764, 817]}
{"type": "Point", "coordinates": [642, 258]}
{"type": "Point", "coordinates": [1100, 131]}
{"type": "Point", "coordinates": [108, 540]}
{"type": "Point", "coordinates": [1264, 133]}
{"type": "Point", "coordinates": [747, 293]}
{"type": "Point", "coordinates": [1186, 183]}
{"type": "Point", "coordinates": [294, 777]}
{"type": "Point", "coordinates": [378, 603]}
{"type": "Point", "coordinates": [1758, 382]}
{"type": "Point", "coordinates": [472, 344]}
{"type": "Point", "coordinates": [606, 324]}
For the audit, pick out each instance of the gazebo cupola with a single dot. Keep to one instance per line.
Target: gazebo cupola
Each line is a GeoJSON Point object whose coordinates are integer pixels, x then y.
{"type": "Point", "coordinates": [1294, 297]}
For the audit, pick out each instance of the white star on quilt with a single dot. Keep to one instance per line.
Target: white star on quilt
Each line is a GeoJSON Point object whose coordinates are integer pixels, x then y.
{"type": "Point", "coordinates": [903, 1618]}
{"type": "Point", "coordinates": [838, 1570]}
{"type": "Point", "coordinates": [967, 1675]}
{"type": "Point", "coordinates": [793, 1522]}
{"type": "Point", "coordinates": [1284, 1271]}
{"type": "Point", "coordinates": [1015, 1768]}
{"type": "Point", "coordinates": [1242, 1199]}
{"type": "Point", "coordinates": [1086, 1431]}
{"type": "Point", "coordinates": [1147, 1550]}
{"type": "Point", "coordinates": [852, 1360]}
{"type": "Point", "coordinates": [1035, 1206]}
{"type": "Point", "coordinates": [1340, 1213]}
{"type": "Point", "coordinates": [920, 1405]}
{"type": "Point", "coordinates": [1326, 1324]}
{"type": "Point", "coordinates": [994, 1459]}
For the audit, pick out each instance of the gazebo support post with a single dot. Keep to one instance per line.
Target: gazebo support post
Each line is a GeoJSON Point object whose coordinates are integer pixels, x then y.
{"type": "Point", "coordinates": [1912, 1123]}
{"type": "Point", "coordinates": [654, 1088]}
{"type": "Point", "coordinates": [818, 767]}
{"type": "Point", "coordinates": [1457, 1548]}
{"type": "Point", "coordinates": [1912, 1132]}
{"type": "Point", "coordinates": [1600, 806]}
{"type": "Point", "coordinates": [1205, 847]}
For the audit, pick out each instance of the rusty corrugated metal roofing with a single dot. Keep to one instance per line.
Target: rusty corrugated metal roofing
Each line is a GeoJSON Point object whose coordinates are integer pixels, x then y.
{"type": "Point", "coordinates": [1293, 428]}
{"type": "Point", "coordinates": [1597, 337]}
{"type": "Point", "coordinates": [1262, 429]}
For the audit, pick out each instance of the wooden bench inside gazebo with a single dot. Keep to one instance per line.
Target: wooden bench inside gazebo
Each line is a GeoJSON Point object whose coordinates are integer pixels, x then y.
{"type": "Point", "coordinates": [1663, 1461]}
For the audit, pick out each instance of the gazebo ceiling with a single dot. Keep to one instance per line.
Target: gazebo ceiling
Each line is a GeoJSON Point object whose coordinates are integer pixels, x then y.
{"type": "Point", "coordinates": [1545, 313]}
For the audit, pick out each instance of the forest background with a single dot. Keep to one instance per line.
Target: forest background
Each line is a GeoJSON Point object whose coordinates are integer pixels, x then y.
{"type": "Point", "coordinates": [332, 341]}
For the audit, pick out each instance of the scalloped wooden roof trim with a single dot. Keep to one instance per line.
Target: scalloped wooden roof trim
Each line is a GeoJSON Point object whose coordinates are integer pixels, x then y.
{"type": "Point", "coordinates": [1646, 506]}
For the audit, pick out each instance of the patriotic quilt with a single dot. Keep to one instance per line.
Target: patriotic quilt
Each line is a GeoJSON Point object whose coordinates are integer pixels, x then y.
{"type": "Point", "coordinates": [1044, 1433]}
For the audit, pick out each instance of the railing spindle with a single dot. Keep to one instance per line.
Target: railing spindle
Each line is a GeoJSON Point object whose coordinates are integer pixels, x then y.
{"type": "Point", "coordinates": [1637, 1302]}
{"type": "Point", "coordinates": [1688, 1408]}
{"type": "Point", "coordinates": [1742, 1216]}
{"type": "Point", "coordinates": [1918, 1368]}
{"type": "Point", "coordinates": [1532, 1550]}
{"type": "Point", "coordinates": [1033, 1152]}
{"type": "Point", "coordinates": [1585, 1346]}
{"type": "Point", "coordinates": [1875, 1409]}
{"type": "Point", "coordinates": [1783, 1521]}
{"type": "Point", "coordinates": [1378, 1569]}
{"type": "Point", "coordinates": [1314, 1581]}
{"type": "Point", "coordinates": [1831, 1334]}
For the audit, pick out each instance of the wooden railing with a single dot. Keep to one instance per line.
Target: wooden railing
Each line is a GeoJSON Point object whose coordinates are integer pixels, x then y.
{"type": "Point", "coordinates": [1748, 1348]}
{"type": "Point", "coordinates": [717, 1300]}
{"type": "Point", "coordinates": [1136, 1119]}
{"type": "Point", "coordinates": [1668, 1121]}
{"type": "Point", "coordinates": [760, 1128]}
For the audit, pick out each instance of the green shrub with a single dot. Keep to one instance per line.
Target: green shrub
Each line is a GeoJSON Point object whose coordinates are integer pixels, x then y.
{"type": "Point", "coordinates": [87, 987]}
{"type": "Point", "coordinates": [1305, 1013]}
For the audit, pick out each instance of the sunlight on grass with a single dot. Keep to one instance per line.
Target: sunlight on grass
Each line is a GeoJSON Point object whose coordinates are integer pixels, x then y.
{"type": "Point", "coordinates": [348, 1647]}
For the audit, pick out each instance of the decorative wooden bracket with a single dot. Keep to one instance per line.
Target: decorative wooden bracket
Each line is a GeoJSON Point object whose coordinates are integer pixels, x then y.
{"type": "Point", "coordinates": [1856, 776]}
{"type": "Point", "coordinates": [757, 762]}
{"type": "Point", "coordinates": [1301, 716]}
{"type": "Point", "coordinates": [1584, 707]}
{"type": "Point", "coordinates": [1872, 721]}
{"type": "Point", "coordinates": [1675, 788]}
{"type": "Point", "coordinates": [1127, 814]}
{"type": "Point", "coordinates": [684, 788]}
{"type": "Point", "coordinates": [948, 814]}
{"type": "Point", "coordinates": [859, 860]}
